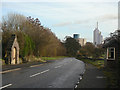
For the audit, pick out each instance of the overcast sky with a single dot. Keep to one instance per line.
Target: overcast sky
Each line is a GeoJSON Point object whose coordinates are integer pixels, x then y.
{"type": "Point", "coordinates": [66, 17]}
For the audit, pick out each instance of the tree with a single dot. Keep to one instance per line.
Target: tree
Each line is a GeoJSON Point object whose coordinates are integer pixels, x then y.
{"type": "Point", "coordinates": [33, 38]}
{"type": "Point", "coordinates": [46, 43]}
{"type": "Point", "coordinates": [72, 46]}
{"type": "Point", "coordinates": [13, 24]}
{"type": "Point", "coordinates": [90, 51]}
{"type": "Point", "coordinates": [12, 21]}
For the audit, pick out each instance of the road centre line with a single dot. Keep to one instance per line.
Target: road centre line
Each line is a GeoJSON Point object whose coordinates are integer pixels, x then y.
{"type": "Point", "coordinates": [58, 66]}
{"type": "Point", "coordinates": [39, 73]}
{"type": "Point", "coordinates": [10, 70]}
{"type": "Point", "coordinates": [36, 65]}
{"type": "Point", "coordinates": [100, 77]}
{"type": "Point", "coordinates": [5, 86]}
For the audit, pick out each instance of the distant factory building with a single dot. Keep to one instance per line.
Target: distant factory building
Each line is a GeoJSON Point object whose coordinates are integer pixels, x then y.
{"type": "Point", "coordinates": [82, 41]}
{"type": "Point", "coordinates": [97, 37]}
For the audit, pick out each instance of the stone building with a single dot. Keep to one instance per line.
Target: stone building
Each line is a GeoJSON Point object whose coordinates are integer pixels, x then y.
{"type": "Point", "coordinates": [112, 46]}
{"type": "Point", "coordinates": [13, 50]}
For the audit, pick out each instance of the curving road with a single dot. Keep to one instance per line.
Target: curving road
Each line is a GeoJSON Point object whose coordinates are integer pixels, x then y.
{"type": "Point", "coordinates": [62, 73]}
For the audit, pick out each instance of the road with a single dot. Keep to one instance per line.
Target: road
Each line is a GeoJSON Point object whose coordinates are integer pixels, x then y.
{"type": "Point", "coordinates": [62, 73]}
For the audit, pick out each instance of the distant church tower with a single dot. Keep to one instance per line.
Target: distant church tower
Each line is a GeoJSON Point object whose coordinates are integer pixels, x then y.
{"type": "Point", "coordinates": [97, 37]}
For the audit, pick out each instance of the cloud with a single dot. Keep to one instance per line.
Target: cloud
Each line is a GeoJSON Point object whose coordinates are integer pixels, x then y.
{"type": "Point", "coordinates": [62, 24]}
{"type": "Point", "coordinates": [108, 17]}
{"type": "Point", "coordinates": [82, 21]}
{"type": "Point", "coordinates": [100, 18]}
{"type": "Point", "coordinates": [72, 23]}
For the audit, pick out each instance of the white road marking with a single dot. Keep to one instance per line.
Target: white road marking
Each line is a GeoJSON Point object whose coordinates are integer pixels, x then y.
{"type": "Point", "coordinates": [58, 66]}
{"type": "Point", "coordinates": [44, 71]}
{"type": "Point", "coordinates": [35, 74]}
{"type": "Point", "coordinates": [80, 77]}
{"type": "Point", "coordinates": [100, 77]}
{"type": "Point", "coordinates": [5, 86]}
{"type": "Point", "coordinates": [10, 70]}
{"type": "Point", "coordinates": [36, 65]}
{"type": "Point", "coordinates": [39, 73]}
{"type": "Point", "coordinates": [75, 86]}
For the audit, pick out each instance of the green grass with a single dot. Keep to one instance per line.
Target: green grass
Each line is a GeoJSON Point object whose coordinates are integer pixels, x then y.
{"type": "Point", "coordinates": [32, 59]}
{"type": "Point", "coordinates": [3, 61]}
{"type": "Point", "coordinates": [52, 58]}
{"type": "Point", "coordinates": [97, 63]}
{"type": "Point", "coordinates": [44, 59]}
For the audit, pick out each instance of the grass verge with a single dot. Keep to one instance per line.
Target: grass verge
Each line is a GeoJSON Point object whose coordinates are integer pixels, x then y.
{"type": "Point", "coordinates": [97, 63]}
{"type": "Point", "coordinates": [32, 59]}
{"type": "Point", "coordinates": [52, 58]}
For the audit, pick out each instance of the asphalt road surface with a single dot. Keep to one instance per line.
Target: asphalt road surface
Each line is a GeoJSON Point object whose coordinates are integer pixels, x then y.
{"type": "Point", "coordinates": [62, 73]}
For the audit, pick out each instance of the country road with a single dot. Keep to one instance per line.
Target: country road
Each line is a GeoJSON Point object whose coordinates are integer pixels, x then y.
{"type": "Point", "coordinates": [62, 73]}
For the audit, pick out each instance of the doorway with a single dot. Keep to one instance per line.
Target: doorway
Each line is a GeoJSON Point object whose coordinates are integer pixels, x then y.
{"type": "Point", "coordinates": [14, 55]}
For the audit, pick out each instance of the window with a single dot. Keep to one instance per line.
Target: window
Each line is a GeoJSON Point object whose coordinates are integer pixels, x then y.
{"type": "Point", "coordinates": [111, 53]}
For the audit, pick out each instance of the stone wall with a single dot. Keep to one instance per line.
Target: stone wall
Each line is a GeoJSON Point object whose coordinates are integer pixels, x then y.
{"type": "Point", "coordinates": [15, 46]}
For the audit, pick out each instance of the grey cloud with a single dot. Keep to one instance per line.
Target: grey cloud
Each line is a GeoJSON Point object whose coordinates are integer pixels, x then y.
{"type": "Point", "coordinates": [108, 17]}
{"type": "Point", "coordinates": [62, 24]}
{"type": "Point", "coordinates": [71, 23]}
{"type": "Point", "coordinates": [101, 18]}
{"type": "Point", "coordinates": [82, 21]}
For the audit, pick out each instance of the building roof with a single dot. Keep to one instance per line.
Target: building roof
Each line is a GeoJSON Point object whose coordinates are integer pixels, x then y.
{"type": "Point", "coordinates": [114, 39]}
{"type": "Point", "coordinates": [11, 41]}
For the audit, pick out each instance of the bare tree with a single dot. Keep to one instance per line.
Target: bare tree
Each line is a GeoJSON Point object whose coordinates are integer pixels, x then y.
{"type": "Point", "coordinates": [12, 21]}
